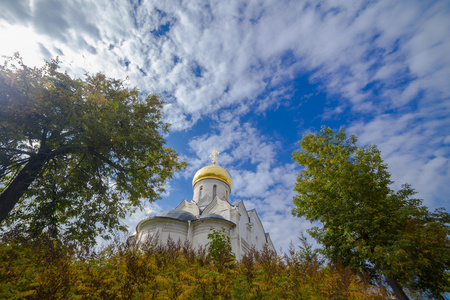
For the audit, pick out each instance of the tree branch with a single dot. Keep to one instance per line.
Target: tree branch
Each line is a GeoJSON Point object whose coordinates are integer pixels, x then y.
{"type": "Point", "coordinates": [108, 161]}
{"type": "Point", "coordinates": [16, 150]}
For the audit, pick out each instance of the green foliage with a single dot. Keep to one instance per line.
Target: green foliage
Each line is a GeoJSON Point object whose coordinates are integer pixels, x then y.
{"type": "Point", "coordinates": [77, 155]}
{"type": "Point", "coordinates": [219, 248]}
{"type": "Point", "coordinates": [39, 268]}
{"type": "Point", "coordinates": [366, 225]}
{"type": "Point", "coordinates": [307, 254]}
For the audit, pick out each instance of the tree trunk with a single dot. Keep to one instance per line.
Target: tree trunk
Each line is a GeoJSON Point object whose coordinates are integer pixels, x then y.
{"type": "Point", "coordinates": [26, 176]}
{"type": "Point", "coordinates": [397, 288]}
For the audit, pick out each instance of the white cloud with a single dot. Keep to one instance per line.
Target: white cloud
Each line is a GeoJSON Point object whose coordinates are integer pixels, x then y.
{"type": "Point", "coordinates": [238, 47]}
{"type": "Point", "coordinates": [414, 147]}
{"type": "Point", "coordinates": [386, 62]}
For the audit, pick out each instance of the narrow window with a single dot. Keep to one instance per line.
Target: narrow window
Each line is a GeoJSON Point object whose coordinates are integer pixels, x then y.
{"type": "Point", "coordinates": [214, 191]}
{"type": "Point", "coordinates": [201, 193]}
{"type": "Point", "coordinates": [226, 194]}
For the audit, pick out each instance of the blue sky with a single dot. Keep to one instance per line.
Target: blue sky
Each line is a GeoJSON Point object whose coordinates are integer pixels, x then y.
{"type": "Point", "coordinates": [249, 78]}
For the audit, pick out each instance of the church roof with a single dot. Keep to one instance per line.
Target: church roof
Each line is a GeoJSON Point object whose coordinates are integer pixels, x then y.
{"type": "Point", "coordinates": [212, 216]}
{"type": "Point", "coordinates": [213, 171]}
{"type": "Point", "coordinates": [177, 214]}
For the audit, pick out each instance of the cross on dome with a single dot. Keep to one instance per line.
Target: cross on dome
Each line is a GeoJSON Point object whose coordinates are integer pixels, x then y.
{"type": "Point", "coordinates": [213, 155]}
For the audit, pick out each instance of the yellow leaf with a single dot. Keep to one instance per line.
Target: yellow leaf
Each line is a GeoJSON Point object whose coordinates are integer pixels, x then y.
{"type": "Point", "coordinates": [25, 294]}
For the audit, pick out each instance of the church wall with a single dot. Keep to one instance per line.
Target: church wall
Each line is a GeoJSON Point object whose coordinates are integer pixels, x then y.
{"type": "Point", "coordinates": [270, 243]}
{"type": "Point", "coordinates": [163, 228]}
{"type": "Point", "coordinates": [258, 236]}
{"type": "Point", "coordinates": [201, 229]}
{"type": "Point", "coordinates": [207, 186]}
{"type": "Point", "coordinates": [244, 229]}
{"type": "Point", "coordinates": [235, 233]}
{"type": "Point", "coordinates": [258, 233]}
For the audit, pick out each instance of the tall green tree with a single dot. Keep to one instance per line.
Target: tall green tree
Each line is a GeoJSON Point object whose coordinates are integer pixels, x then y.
{"type": "Point", "coordinates": [77, 155]}
{"type": "Point", "coordinates": [366, 224]}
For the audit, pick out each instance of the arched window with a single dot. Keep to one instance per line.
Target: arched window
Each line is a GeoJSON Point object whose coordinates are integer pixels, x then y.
{"type": "Point", "coordinates": [214, 191]}
{"type": "Point", "coordinates": [201, 193]}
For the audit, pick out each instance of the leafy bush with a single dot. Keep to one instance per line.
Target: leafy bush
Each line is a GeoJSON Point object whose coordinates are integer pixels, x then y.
{"type": "Point", "coordinates": [43, 268]}
{"type": "Point", "coordinates": [219, 249]}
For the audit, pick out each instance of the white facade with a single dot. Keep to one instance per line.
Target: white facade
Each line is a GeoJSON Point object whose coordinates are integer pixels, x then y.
{"type": "Point", "coordinates": [209, 208]}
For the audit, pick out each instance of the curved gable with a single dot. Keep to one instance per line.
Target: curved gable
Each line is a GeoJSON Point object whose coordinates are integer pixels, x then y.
{"type": "Point", "coordinates": [189, 207]}
{"type": "Point", "coordinates": [219, 207]}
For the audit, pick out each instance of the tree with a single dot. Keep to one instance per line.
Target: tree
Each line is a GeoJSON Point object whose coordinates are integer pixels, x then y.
{"type": "Point", "coordinates": [219, 248]}
{"type": "Point", "coordinates": [77, 155]}
{"type": "Point", "coordinates": [307, 254]}
{"type": "Point", "coordinates": [367, 225]}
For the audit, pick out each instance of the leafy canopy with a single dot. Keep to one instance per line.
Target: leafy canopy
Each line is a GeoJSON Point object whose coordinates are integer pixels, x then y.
{"type": "Point", "coordinates": [367, 225]}
{"type": "Point", "coordinates": [77, 155]}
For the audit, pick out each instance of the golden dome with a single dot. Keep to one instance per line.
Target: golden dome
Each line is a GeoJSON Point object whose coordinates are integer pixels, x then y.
{"type": "Point", "coordinates": [213, 171]}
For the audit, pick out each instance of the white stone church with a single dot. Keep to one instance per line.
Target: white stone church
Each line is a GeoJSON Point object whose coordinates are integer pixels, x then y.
{"type": "Point", "coordinates": [210, 207]}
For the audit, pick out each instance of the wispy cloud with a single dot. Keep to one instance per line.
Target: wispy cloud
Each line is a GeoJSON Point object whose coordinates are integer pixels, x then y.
{"type": "Point", "coordinates": [383, 66]}
{"type": "Point", "coordinates": [209, 57]}
{"type": "Point", "coordinates": [417, 149]}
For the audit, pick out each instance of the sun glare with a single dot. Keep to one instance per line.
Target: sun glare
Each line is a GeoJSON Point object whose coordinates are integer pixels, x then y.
{"type": "Point", "coordinates": [23, 40]}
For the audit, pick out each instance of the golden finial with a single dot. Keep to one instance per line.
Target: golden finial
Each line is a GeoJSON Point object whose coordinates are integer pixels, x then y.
{"type": "Point", "coordinates": [213, 155]}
